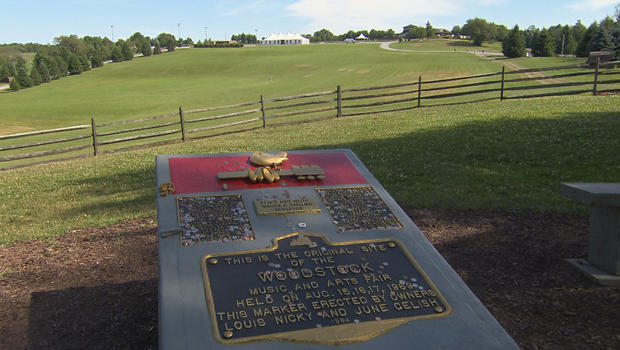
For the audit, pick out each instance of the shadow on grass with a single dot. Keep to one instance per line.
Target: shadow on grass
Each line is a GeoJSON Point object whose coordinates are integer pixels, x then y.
{"type": "Point", "coordinates": [508, 162]}
{"type": "Point", "coordinates": [115, 191]}
{"type": "Point", "coordinates": [111, 316]}
{"type": "Point", "coordinates": [462, 43]}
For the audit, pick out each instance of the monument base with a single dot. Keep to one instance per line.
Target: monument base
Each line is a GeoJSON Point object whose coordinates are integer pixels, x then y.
{"type": "Point", "coordinates": [595, 274]}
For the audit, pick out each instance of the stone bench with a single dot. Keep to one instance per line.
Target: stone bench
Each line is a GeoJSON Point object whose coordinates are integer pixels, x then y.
{"type": "Point", "coordinates": [603, 264]}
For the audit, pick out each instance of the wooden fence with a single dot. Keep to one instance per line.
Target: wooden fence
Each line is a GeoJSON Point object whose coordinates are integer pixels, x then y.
{"type": "Point", "coordinates": [94, 139]}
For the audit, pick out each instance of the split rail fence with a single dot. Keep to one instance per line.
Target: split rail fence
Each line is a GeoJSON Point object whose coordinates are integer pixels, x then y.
{"type": "Point", "coordinates": [94, 139]}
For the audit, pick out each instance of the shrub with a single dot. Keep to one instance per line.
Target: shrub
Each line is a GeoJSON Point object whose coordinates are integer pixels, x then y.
{"type": "Point", "coordinates": [14, 85]}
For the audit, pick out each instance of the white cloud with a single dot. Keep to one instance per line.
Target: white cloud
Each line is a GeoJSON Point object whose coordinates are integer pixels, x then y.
{"type": "Point", "coordinates": [591, 4]}
{"type": "Point", "coordinates": [341, 15]}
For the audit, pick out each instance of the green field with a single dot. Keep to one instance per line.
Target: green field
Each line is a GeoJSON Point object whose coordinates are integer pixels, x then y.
{"type": "Point", "coordinates": [500, 154]}
{"type": "Point", "coordinates": [509, 154]}
{"type": "Point", "coordinates": [197, 78]}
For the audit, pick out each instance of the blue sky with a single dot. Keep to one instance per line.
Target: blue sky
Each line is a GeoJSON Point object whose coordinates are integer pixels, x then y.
{"type": "Point", "coordinates": [42, 20]}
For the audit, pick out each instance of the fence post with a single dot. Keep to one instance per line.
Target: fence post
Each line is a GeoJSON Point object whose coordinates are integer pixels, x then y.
{"type": "Point", "coordinates": [94, 127]}
{"type": "Point", "coordinates": [339, 102]}
{"type": "Point", "coordinates": [501, 93]}
{"type": "Point", "coordinates": [419, 89]}
{"type": "Point", "coordinates": [262, 109]}
{"type": "Point", "coordinates": [182, 124]}
{"type": "Point", "coordinates": [594, 88]}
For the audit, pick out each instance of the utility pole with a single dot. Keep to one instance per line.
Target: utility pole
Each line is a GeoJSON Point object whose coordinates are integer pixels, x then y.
{"type": "Point", "coordinates": [562, 44]}
{"type": "Point", "coordinates": [112, 26]}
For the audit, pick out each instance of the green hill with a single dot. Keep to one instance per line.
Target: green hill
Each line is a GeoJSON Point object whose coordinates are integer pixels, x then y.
{"type": "Point", "coordinates": [195, 78]}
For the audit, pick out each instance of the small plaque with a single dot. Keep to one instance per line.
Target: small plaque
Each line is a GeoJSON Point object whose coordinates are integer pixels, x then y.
{"type": "Point", "coordinates": [219, 218]}
{"type": "Point", "coordinates": [308, 289]}
{"type": "Point", "coordinates": [286, 206]}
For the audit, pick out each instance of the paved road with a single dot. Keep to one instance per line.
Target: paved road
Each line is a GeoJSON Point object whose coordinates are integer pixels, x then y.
{"type": "Point", "coordinates": [543, 78]}
{"type": "Point", "coordinates": [386, 46]}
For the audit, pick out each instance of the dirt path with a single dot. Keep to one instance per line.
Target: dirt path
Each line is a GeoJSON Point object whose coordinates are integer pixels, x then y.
{"type": "Point", "coordinates": [97, 288]}
{"type": "Point", "coordinates": [544, 79]}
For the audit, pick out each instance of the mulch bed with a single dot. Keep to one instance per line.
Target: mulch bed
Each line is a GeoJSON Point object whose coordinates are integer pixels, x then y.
{"type": "Point", "coordinates": [97, 288]}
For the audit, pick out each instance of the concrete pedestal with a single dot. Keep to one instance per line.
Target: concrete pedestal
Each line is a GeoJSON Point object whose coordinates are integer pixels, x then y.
{"type": "Point", "coordinates": [200, 282]}
{"type": "Point", "coordinates": [604, 244]}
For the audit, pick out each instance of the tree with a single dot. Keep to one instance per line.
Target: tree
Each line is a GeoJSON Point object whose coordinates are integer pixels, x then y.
{"type": "Point", "coordinates": [478, 29]}
{"type": "Point", "coordinates": [4, 70]}
{"type": "Point", "coordinates": [96, 57]}
{"type": "Point", "coordinates": [602, 40]}
{"type": "Point", "coordinates": [141, 43]}
{"type": "Point", "coordinates": [117, 54]}
{"type": "Point", "coordinates": [44, 72]}
{"type": "Point", "coordinates": [577, 32]}
{"type": "Point", "coordinates": [75, 65]}
{"type": "Point", "coordinates": [390, 34]}
{"type": "Point", "coordinates": [72, 43]}
{"type": "Point", "coordinates": [167, 40]}
{"type": "Point", "coordinates": [531, 33]}
{"type": "Point", "coordinates": [242, 38]}
{"type": "Point", "coordinates": [156, 49]}
{"type": "Point", "coordinates": [497, 32]}
{"type": "Point", "coordinates": [583, 48]}
{"type": "Point", "coordinates": [428, 30]}
{"type": "Point", "coordinates": [456, 30]}
{"type": "Point", "coordinates": [125, 50]}
{"type": "Point", "coordinates": [544, 45]}
{"type": "Point", "coordinates": [35, 76]}
{"type": "Point", "coordinates": [514, 44]}
{"type": "Point", "coordinates": [415, 32]}
{"type": "Point", "coordinates": [323, 35]}
{"type": "Point", "coordinates": [21, 74]}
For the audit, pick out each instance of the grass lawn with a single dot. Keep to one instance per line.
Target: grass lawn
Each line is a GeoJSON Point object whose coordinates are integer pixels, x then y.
{"type": "Point", "coordinates": [197, 78]}
{"type": "Point", "coordinates": [509, 154]}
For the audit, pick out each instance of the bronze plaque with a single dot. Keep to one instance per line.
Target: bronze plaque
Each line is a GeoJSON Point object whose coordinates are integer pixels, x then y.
{"type": "Point", "coordinates": [308, 289]}
{"type": "Point", "coordinates": [358, 208]}
{"type": "Point", "coordinates": [286, 206]}
{"type": "Point", "coordinates": [219, 218]}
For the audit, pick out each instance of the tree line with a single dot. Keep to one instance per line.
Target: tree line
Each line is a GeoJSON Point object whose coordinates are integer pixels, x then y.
{"type": "Point", "coordinates": [577, 40]}
{"type": "Point", "coordinates": [70, 55]}
{"type": "Point", "coordinates": [324, 35]}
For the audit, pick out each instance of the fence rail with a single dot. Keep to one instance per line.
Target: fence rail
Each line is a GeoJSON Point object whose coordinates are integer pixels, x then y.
{"type": "Point", "coordinates": [221, 120]}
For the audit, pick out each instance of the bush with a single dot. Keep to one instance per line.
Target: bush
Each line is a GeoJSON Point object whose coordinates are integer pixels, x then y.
{"type": "Point", "coordinates": [14, 85]}
{"type": "Point", "coordinates": [220, 44]}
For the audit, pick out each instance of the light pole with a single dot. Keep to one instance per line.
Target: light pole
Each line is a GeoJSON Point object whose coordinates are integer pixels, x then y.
{"type": "Point", "coordinates": [112, 27]}
{"type": "Point", "coordinates": [206, 36]}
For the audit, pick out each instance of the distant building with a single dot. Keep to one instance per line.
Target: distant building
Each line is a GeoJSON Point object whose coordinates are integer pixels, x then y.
{"type": "Point", "coordinates": [285, 39]}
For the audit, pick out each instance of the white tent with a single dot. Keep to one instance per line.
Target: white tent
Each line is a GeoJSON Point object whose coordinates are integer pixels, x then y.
{"type": "Point", "coordinates": [361, 37]}
{"type": "Point", "coordinates": [285, 39]}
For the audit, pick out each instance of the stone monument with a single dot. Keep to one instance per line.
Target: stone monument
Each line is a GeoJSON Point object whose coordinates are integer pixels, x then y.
{"type": "Point", "coordinates": [302, 249]}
